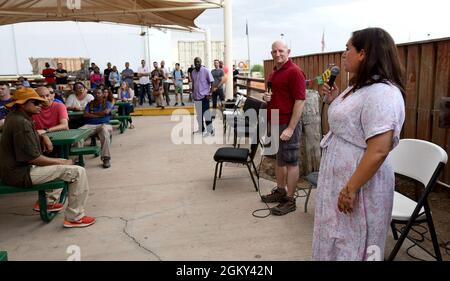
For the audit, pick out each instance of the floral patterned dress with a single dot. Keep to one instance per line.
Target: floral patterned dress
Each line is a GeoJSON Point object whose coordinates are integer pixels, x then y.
{"type": "Point", "coordinates": [360, 235]}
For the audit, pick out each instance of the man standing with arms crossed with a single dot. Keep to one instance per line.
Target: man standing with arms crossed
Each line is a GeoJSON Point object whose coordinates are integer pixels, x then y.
{"type": "Point", "coordinates": [288, 97]}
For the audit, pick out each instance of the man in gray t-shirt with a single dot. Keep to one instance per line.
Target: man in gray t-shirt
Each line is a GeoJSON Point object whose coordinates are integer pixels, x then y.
{"type": "Point", "coordinates": [127, 75]}
{"type": "Point", "coordinates": [217, 86]}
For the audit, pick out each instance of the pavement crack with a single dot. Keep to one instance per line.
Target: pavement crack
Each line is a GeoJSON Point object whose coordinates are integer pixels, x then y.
{"type": "Point", "coordinates": [129, 235]}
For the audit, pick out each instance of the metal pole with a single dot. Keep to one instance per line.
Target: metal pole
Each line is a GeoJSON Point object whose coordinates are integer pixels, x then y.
{"type": "Point", "coordinates": [248, 50]}
{"type": "Point", "coordinates": [148, 49]}
{"type": "Point", "coordinates": [15, 48]}
{"type": "Point", "coordinates": [228, 23]}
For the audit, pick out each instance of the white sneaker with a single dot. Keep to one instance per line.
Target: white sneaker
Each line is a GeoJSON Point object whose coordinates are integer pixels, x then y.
{"type": "Point", "coordinates": [207, 134]}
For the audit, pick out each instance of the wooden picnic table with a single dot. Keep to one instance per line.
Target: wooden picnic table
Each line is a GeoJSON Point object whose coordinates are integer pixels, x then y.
{"type": "Point", "coordinates": [64, 139]}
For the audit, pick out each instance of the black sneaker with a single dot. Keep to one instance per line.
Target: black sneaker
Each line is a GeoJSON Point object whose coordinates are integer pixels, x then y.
{"type": "Point", "coordinates": [176, 104]}
{"type": "Point", "coordinates": [182, 104]}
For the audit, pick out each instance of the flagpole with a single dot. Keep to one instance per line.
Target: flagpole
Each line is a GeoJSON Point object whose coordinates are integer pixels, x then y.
{"type": "Point", "coordinates": [248, 49]}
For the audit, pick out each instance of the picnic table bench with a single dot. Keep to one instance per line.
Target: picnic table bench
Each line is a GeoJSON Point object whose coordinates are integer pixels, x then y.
{"type": "Point", "coordinates": [3, 256]}
{"type": "Point", "coordinates": [40, 188]}
{"type": "Point", "coordinates": [121, 117]}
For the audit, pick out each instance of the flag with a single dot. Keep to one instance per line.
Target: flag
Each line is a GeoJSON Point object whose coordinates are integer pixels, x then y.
{"type": "Point", "coordinates": [323, 41]}
{"type": "Point", "coordinates": [246, 27]}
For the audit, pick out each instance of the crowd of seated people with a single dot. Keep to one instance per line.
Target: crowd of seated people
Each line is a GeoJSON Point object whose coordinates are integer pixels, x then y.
{"type": "Point", "coordinates": [27, 153]}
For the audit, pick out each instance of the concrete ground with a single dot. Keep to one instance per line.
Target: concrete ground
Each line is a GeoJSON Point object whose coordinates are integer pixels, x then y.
{"type": "Point", "coordinates": [156, 203]}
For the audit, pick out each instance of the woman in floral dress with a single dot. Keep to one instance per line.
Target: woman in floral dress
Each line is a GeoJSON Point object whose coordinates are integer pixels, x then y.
{"type": "Point", "coordinates": [356, 180]}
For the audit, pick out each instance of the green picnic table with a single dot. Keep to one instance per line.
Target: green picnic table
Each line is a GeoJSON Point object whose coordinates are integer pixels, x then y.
{"type": "Point", "coordinates": [73, 114]}
{"type": "Point", "coordinates": [123, 104]}
{"type": "Point", "coordinates": [3, 256]}
{"type": "Point", "coordinates": [64, 139]}
{"type": "Point", "coordinates": [124, 119]}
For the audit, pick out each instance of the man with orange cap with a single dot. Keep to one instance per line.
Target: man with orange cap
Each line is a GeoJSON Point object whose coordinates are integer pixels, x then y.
{"type": "Point", "coordinates": [24, 165]}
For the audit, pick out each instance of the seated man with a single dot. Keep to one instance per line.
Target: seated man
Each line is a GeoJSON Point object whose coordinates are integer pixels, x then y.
{"type": "Point", "coordinates": [53, 116]}
{"type": "Point", "coordinates": [5, 98]}
{"type": "Point", "coordinates": [24, 165]}
{"type": "Point", "coordinates": [97, 115]}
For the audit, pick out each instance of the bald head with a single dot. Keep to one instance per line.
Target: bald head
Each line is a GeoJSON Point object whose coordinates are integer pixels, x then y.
{"type": "Point", "coordinates": [198, 63]}
{"type": "Point", "coordinates": [44, 92]}
{"type": "Point", "coordinates": [280, 53]}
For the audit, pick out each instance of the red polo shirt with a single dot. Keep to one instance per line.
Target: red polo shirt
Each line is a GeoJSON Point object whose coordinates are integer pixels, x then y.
{"type": "Point", "coordinates": [288, 85]}
{"type": "Point", "coordinates": [49, 74]}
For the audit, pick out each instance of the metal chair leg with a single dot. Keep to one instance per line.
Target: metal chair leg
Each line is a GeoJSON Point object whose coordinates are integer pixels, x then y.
{"type": "Point", "coordinates": [251, 174]}
{"type": "Point", "coordinates": [307, 198]}
{"type": "Point", "coordinates": [394, 231]}
{"type": "Point", "coordinates": [404, 233]}
{"type": "Point", "coordinates": [433, 235]}
{"type": "Point", "coordinates": [256, 170]}
{"type": "Point", "coordinates": [215, 176]}
{"type": "Point", "coordinates": [220, 171]}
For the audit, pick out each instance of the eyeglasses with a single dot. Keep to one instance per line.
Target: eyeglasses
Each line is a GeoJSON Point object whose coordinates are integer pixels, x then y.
{"type": "Point", "coordinates": [36, 102]}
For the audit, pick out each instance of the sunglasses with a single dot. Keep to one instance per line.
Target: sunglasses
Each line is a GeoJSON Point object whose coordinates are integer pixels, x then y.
{"type": "Point", "coordinates": [36, 102]}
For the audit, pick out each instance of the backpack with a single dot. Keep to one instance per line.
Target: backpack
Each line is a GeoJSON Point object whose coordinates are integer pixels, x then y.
{"type": "Point", "coordinates": [181, 72]}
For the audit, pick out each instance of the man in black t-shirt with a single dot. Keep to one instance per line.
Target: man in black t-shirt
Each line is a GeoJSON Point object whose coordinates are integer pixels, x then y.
{"type": "Point", "coordinates": [106, 73]}
{"type": "Point", "coordinates": [61, 75]}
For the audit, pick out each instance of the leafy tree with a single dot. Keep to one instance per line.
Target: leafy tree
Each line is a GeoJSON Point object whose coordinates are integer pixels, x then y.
{"type": "Point", "coordinates": [258, 68]}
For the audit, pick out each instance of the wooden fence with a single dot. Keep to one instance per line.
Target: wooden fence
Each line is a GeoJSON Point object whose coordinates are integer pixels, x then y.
{"type": "Point", "coordinates": [427, 79]}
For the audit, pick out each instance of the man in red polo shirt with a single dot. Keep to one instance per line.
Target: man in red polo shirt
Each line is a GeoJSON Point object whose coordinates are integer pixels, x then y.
{"type": "Point", "coordinates": [287, 96]}
{"type": "Point", "coordinates": [53, 116]}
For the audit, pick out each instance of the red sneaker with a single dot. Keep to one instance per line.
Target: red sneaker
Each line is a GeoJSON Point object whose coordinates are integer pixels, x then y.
{"type": "Point", "coordinates": [56, 207]}
{"type": "Point", "coordinates": [83, 222]}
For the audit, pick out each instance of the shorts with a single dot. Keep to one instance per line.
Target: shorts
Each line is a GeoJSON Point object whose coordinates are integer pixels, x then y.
{"type": "Point", "coordinates": [288, 150]}
{"type": "Point", "coordinates": [178, 89]}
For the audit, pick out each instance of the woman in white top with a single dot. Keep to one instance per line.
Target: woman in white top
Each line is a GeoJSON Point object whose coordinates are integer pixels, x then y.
{"type": "Point", "coordinates": [78, 102]}
{"type": "Point", "coordinates": [126, 94]}
{"type": "Point", "coordinates": [79, 99]}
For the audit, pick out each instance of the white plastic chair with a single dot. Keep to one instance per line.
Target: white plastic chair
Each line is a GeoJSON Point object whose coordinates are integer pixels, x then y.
{"type": "Point", "coordinates": [424, 162]}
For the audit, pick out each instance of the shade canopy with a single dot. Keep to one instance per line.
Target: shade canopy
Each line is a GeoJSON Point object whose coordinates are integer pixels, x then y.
{"type": "Point", "coordinates": [175, 14]}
